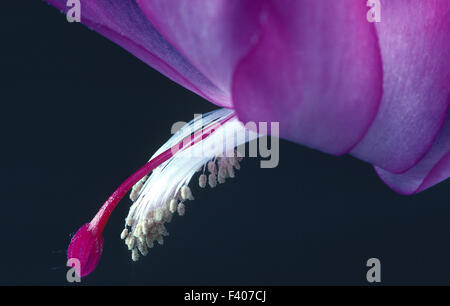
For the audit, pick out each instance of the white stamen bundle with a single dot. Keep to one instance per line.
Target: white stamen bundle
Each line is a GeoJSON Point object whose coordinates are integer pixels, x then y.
{"type": "Point", "coordinates": [166, 190]}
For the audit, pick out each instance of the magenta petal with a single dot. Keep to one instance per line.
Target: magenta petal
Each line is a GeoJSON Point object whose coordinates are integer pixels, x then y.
{"type": "Point", "coordinates": [124, 23]}
{"type": "Point", "coordinates": [415, 46]}
{"type": "Point", "coordinates": [432, 169]}
{"type": "Point", "coordinates": [316, 69]}
{"type": "Point", "coordinates": [213, 35]}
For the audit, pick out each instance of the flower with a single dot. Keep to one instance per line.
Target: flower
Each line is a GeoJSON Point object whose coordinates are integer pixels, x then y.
{"type": "Point", "coordinates": [197, 145]}
{"type": "Point", "coordinates": [335, 81]}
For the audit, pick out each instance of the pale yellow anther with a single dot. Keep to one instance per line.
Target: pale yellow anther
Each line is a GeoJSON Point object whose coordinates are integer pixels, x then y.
{"type": "Point", "coordinates": [134, 195]}
{"type": "Point", "coordinates": [181, 209]}
{"type": "Point", "coordinates": [212, 167]}
{"type": "Point", "coordinates": [138, 230]}
{"type": "Point", "coordinates": [149, 242]}
{"type": "Point", "coordinates": [138, 186]}
{"type": "Point", "coordinates": [202, 180]}
{"type": "Point", "coordinates": [145, 229]}
{"type": "Point", "coordinates": [166, 214]}
{"type": "Point", "coordinates": [141, 240]}
{"type": "Point", "coordinates": [237, 166]}
{"type": "Point", "coordinates": [160, 239]}
{"type": "Point", "coordinates": [129, 221]}
{"type": "Point", "coordinates": [173, 205]}
{"type": "Point", "coordinates": [169, 217]}
{"type": "Point", "coordinates": [135, 191]}
{"type": "Point", "coordinates": [230, 170]}
{"type": "Point", "coordinates": [124, 234]}
{"type": "Point", "coordinates": [142, 247]}
{"type": "Point", "coordinates": [212, 180]}
{"type": "Point", "coordinates": [130, 241]}
{"type": "Point", "coordinates": [158, 215]}
{"type": "Point", "coordinates": [134, 255]}
{"type": "Point", "coordinates": [186, 193]}
{"type": "Point", "coordinates": [222, 173]}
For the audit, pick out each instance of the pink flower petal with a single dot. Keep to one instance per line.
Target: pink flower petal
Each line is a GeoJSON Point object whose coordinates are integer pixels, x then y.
{"type": "Point", "coordinates": [432, 169]}
{"type": "Point", "coordinates": [213, 35]}
{"type": "Point", "coordinates": [124, 23]}
{"type": "Point", "coordinates": [316, 69]}
{"type": "Point", "coordinates": [415, 46]}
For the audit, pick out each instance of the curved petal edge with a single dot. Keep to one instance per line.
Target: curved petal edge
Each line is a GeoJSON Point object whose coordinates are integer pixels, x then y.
{"type": "Point", "coordinates": [431, 170]}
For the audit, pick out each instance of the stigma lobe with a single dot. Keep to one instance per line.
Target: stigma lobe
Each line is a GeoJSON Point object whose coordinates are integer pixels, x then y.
{"type": "Point", "coordinates": [86, 246]}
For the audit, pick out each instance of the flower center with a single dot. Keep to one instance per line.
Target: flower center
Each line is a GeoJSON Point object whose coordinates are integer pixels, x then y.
{"type": "Point", "coordinates": [202, 144]}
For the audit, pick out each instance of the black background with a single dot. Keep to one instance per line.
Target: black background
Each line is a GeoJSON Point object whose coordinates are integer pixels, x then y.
{"type": "Point", "coordinates": [79, 115]}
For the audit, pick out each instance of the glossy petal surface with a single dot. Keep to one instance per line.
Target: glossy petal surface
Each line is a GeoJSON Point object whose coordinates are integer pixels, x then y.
{"type": "Point", "coordinates": [415, 44]}
{"type": "Point", "coordinates": [316, 69]}
{"type": "Point", "coordinates": [213, 35]}
{"type": "Point", "coordinates": [432, 169]}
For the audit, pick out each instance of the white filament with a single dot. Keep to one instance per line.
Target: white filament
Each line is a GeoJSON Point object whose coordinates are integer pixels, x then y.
{"type": "Point", "coordinates": [156, 198]}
